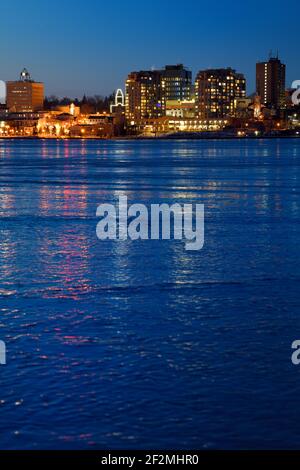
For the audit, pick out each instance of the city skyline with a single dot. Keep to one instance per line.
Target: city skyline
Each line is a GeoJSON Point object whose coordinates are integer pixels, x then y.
{"type": "Point", "coordinates": [90, 50]}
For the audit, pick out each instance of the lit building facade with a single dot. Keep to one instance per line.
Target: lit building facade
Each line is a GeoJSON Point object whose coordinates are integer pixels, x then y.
{"type": "Point", "coordinates": [270, 83]}
{"type": "Point", "coordinates": [178, 83]}
{"type": "Point", "coordinates": [217, 92]}
{"type": "Point", "coordinates": [19, 124]}
{"type": "Point", "coordinates": [24, 95]}
{"type": "Point", "coordinates": [69, 109]}
{"type": "Point", "coordinates": [145, 96]}
{"type": "Point", "coordinates": [170, 125]}
{"type": "Point", "coordinates": [183, 109]}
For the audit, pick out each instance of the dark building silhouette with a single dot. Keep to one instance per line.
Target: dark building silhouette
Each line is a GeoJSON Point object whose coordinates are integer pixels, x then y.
{"type": "Point", "coordinates": [270, 83]}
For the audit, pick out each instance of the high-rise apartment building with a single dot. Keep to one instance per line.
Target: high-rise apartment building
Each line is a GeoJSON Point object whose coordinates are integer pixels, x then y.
{"type": "Point", "coordinates": [217, 91]}
{"type": "Point", "coordinates": [270, 83]}
{"type": "Point", "coordinates": [147, 92]}
{"type": "Point", "coordinates": [24, 95]}
{"type": "Point", "coordinates": [178, 82]}
{"type": "Point", "coordinates": [145, 96]}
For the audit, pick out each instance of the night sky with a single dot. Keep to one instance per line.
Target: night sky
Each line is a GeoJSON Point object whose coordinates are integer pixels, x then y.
{"type": "Point", "coordinates": [89, 46]}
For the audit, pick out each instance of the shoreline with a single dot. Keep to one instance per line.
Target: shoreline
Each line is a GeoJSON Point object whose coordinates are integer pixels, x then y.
{"type": "Point", "coordinates": [148, 138]}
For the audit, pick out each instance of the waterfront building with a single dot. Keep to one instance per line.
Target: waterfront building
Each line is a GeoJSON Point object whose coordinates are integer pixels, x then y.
{"type": "Point", "coordinates": [270, 83]}
{"type": "Point", "coordinates": [24, 95]}
{"type": "Point", "coordinates": [145, 96]}
{"type": "Point", "coordinates": [147, 92]}
{"type": "Point", "coordinates": [178, 83]}
{"type": "Point", "coordinates": [55, 123]}
{"type": "Point", "coordinates": [71, 109]}
{"type": "Point", "coordinates": [182, 109]}
{"type": "Point", "coordinates": [172, 124]}
{"type": "Point", "coordinates": [19, 124]}
{"type": "Point", "coordinates": [217, 92]}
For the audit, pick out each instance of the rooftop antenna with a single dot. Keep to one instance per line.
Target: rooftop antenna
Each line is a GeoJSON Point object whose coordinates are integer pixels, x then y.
{"type": "Point", "coordinates": [25, 76]}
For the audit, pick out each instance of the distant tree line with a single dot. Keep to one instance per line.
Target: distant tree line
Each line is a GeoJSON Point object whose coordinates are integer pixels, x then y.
{"type": "Point", "coordinates": [88, 104]}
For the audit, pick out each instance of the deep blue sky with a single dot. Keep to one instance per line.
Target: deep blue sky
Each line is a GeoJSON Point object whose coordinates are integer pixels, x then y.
{"type": "Point", "coordinates": [89, 46]}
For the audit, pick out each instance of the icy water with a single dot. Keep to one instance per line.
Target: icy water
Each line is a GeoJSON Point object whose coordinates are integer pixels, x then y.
{"type": "Point", "coordinates": [139, 345]}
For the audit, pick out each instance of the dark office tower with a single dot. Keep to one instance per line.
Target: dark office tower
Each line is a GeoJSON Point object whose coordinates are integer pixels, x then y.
{"type": "Point", "coordinates": [145, 96]}
{"type": "Point", "coordinates": [270, 83]}
{"type": "Point", "coordinates": [178, 82]}
{"type": "Point", "coordinates": [217, 91]}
